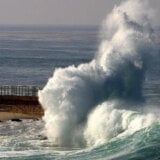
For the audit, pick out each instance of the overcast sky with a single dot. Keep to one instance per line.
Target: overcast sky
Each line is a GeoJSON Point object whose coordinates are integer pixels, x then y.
{"type": "Point", "coordinates": [58, 12]}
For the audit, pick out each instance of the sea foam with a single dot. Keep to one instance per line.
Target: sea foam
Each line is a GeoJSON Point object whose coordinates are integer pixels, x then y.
{"type": "Point", "coordinates": [82, 104]}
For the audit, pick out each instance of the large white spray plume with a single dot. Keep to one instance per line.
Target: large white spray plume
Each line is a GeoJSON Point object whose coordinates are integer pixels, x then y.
{"type": "Point", "coordinates": [80, 102]}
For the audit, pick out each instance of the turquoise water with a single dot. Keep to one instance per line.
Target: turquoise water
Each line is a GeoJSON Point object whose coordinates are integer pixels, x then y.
{"type": "Point", "coordinates": [22, 141]}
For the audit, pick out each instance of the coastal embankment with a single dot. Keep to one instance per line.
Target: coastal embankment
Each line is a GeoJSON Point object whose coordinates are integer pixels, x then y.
{"type": "Point", "coordinates": [19, 102]}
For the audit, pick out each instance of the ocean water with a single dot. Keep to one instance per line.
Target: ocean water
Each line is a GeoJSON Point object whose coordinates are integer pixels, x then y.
{"type": "Point", "coordinates": [28, 55]}
{"type": "Point", "coordinates": [104, 106]}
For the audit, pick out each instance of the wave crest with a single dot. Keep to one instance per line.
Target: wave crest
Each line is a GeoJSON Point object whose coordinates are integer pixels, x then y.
{"type": "Point", "coordinates": [117, 72]}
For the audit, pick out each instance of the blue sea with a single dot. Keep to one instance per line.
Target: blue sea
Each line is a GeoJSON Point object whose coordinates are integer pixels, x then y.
{"type": "Point", "coordinates": [30, 55]}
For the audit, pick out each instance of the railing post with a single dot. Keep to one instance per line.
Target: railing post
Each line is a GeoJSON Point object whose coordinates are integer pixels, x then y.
{"type": "Point", "coordinates": [19, 90]}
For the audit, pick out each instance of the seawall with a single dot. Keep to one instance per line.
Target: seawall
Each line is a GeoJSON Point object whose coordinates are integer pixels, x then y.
{"type": "Point", "coordinates": [21, 105]}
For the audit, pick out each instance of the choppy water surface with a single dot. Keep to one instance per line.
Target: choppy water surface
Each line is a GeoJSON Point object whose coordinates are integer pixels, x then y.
{"type": "Point", "coordinates": [24, 140]}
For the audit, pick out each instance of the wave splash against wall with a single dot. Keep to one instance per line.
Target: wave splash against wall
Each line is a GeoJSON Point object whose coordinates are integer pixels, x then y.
{"type": "Point", "coordinates": [93, 103]}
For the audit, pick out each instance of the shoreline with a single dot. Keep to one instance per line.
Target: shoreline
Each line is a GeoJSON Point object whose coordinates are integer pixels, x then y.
{"type": "Point", "coordinates": [20, 107]}
{"type": "Point", "coordinates": [4, 116]}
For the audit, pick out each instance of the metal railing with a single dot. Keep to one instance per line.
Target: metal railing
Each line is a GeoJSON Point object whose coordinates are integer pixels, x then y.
{"type": "Point", "coordinates": [19, 90]}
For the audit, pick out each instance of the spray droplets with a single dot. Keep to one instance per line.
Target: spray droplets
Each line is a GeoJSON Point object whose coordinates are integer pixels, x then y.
{"type": "Point", "coordinates": [117, 73]}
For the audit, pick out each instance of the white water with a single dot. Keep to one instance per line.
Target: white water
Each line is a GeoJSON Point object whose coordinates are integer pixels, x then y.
{"type": "Point", "coordinates": [82, 104]}
{"type": "Point", "coordinates": [106, 122]}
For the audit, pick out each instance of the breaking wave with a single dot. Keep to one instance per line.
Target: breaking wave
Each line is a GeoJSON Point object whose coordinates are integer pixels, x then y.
{"type": "Point", "coordinates": [96, 102]}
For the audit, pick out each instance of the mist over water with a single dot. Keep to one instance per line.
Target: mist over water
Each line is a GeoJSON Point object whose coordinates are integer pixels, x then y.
{"type": "Point", "coordinates": [99, 101]}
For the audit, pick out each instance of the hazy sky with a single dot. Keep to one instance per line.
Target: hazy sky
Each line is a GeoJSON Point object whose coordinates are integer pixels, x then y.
{"type": "Point", "coordinates": [57, 12]}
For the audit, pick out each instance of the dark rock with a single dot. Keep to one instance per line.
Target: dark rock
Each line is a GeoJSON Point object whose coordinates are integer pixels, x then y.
{"type": "Point", "coordinates": [16, 120]}
{"type": "Point", "coordinates": [42, 137]}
